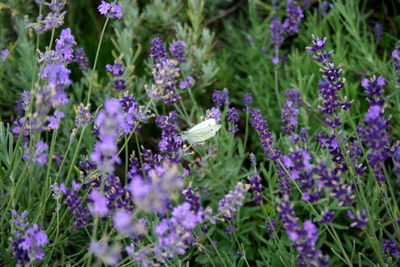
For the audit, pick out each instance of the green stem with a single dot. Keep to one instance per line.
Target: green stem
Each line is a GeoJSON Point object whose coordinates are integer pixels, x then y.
{"type": "Point", "coordinates": [95, 60]}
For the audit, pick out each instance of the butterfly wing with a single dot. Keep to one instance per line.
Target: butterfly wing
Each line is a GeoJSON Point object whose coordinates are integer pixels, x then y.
{"type": "Point", "coordinates": [202, 131]}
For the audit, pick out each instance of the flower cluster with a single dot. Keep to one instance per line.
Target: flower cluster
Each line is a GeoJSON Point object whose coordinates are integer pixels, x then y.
{"type": "Point", "coordinates": [291, 24]}
{"type": "Point", "coordinates": [117, 71]}
{"type": "Point", "coordinates": [81, 59]}
{"type": "Point", "coordinates": [53, 19]}
{"type": "Point", "coordinates": [74, 202]}
{"type": "Point", "coordinates": [174, 235]}
{"type": "Point", "coordinates": [330, 85]}
{"type": "Point", "coordinates": [359, 219]}
{"type": "Point", "coordinates": [232, 116]}
{"type": "Point", "coordinates": [110, 10]}
{"type": "Point", "coordinates": [221, 97]}
{"type": "Point", "coordinates": [171, 142]}
{"type": "Point", "coordinates": [109, 122]}
{"type": "Point", "coordinates": [153, 193]}
{"type": "Point", "coordinates": [229, 203]}
{"type": "Point", "coordinates": [304, 237]}
{"type": "Point", "coordinates": [166, 71]}
{"type": "Point", "coordinates": [261, 126]}
{"type": "Point", "coordinates": [28, 240]}
{"type": "Point", "coordinates": [374, 91]}
{"type": "Point", "coordinates": [4, 55]}
{"type": "Point", "coordinates": [375, 137]}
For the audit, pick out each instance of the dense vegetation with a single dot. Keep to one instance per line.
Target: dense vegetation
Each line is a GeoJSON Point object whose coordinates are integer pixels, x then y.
{"type": "Point", "coordinates": [199, 133]}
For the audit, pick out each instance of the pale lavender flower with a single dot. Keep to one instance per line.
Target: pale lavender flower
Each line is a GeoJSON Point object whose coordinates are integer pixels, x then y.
{"type": "Point", "coordinates": [110, 255]}
{"type": "Point", "coordinates": [99, 204]}
{"type": "Point", "coordinates": [4, 54]}
{"type": "Point", "coordinates": [110, 10]}
{"type": "Point", "coordinates": [228, 204]}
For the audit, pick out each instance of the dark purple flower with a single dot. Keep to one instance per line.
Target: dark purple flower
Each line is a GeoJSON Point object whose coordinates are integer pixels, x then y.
{"type": "Point", "coordinates": [294, 96]}
{"type": "Point", "coordinates": [192, 198]}
{"type": "Point", "coordinates": [232, 116]}
{"type": "Point", "coordinates": [390, 249]}
{"type": "Point", "coordinates": [378, 31]}
{"type": "Point", "coordinates": [27, 240]}
{"type": "Point", "coordinates": [230, 230]}
{"type": "Point", "coordinates": [303, 135]}
{"type": "Point", "coordinates": [81, 58]}
{"type": "Point", "coordinates": [74, 202]}
{"type": "Point", "coordinates": [304, 237]}
{"type": "Point", "coordinates": [158, 51]}
{"type": "Point", "coordinates": [110, 10]}
{"type": "Point", "coordinates": [213, 113]}
{"type": "Point", "coordinates": [327, 216]}
{"type": "Point", "coordinates": [276, 32]}
{"type": "Point", "coordinates": [373, 90]}
{"type": "Point", "coordinates": [294, 16]}
{"type": "Point", "coordinates": [289, 118]}
{"type": "Point", "coordinates": [171, 142]}
{"type": "Point", "coordinates": [221, 98]}
{"type": "Point", "coordinates": [184, 85]}
{"type": "Point", "coordinates": [255, 186]}
{"type": "Point", "coordinates": [177, 50]}
{"type": "Point", "coordinates": [247, 99]}
{"type": "Point", "coordinates": [360, 220]}
{"type": "Point", "coordinates": [271, 228]}
{"type": "Point", "coordinates": [261, 126]}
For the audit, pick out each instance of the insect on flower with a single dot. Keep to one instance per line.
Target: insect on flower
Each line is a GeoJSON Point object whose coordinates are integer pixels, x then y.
{"type": "Point", "coordinates": [202, 131]}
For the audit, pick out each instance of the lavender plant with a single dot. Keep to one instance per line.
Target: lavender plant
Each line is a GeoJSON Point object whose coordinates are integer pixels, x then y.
{"type": "Point", "coordinates": [299, 167]}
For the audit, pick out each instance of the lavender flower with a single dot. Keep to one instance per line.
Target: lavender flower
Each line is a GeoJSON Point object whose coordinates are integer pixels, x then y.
{"type": "Point", "coordinates": [289, 118]}
{"type": "Point", "coordinates": [74, 202]}
{"type": "Point", "coordinates": [221, 98]}
{"type": "Point", "coordinates": [227, 205]}
{"type": "Point", "coordinates": [53, 19]}
{"type": "Point", "coordinates": [83, 116]}
{"type": "Point", "coordinates": [117, 71]}
{"type": "Point", "coordinates": [271, 228]}
{"type": "Point", "coordinates": [54, 121]}
{"type": "Point", "coordinates": [185, 85]}
{"type": "Point", "coordinates": [276, 32]}
{"type": "Point", "coordinates": [255, 186]}
{"type": "Point", "coordinates": [373, 90]}
{"type": "Point", "coordinates": [261, 126]}
{"type": "Point", "coordinates": [110, 10]}
{"type": "Point", "coordinates": [175, 234]}
{"type": "Point", "coordinates": [294, 96]}
{"type": "Point", "coordinates": [330, 86]}
{"type": "Point", "coordinates": [81, 59]}
{"type": "Point", "coordinates": [177, 50]}
{"type": "Point", "coordinates": [396, 57]}
{"type": "Point", "coordinates": [376, 138]}
{"type": "Point", "coordinates": [360, 220]}
{"type": "Point", "coordinates": [4, 54]}
{"type": "Point", "coordinates": [133, 113]}
{"type": "Point", "coordinates": [171, 142]}
{"type": "Point", "coordinates": [232, 116]}
{"type": "Point", "coordinates": [192, 198]}
{"type": "Point", "coordinates": [390, 249]}
{"type": "Point", "coordinates": [294, 16]}
{"type": "Point", "coordinates": [327, 216]}
{"type": "Point", "coordinates": [28, 240]}
{"type": "Point", "coordinates": [165, 73]}
{"type": "Point", "coordinates": [40, 155]}
{"type": "Point", "coordinates": [158, 51]}
{"type": "Point", "coordinates": [247, 99]}
{"type": "Point", "coordinates": [109, 122]}
{"type": "Point", "coordinates": [154, 193]}
{"type": "Point", "coordinates": [99, 206]}
{"type": "Point", "coordinates": [378, 31]}
{"type": "Point", "coordinates": [304, 237]}
{"type": "Point", "coordinates": [110, 255]}
{"type": "Point", "coordinates": [213, 113]}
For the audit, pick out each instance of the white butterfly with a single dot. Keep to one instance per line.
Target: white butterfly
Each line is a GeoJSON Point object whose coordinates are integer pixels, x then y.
{"type": "Point", "coordinates": [202, 131]}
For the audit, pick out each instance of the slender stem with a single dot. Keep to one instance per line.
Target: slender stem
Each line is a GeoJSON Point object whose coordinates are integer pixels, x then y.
{"type": "Point", "coordinates": [95, 60]}
{"type": "Point", "coordinates": [216, 250]}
